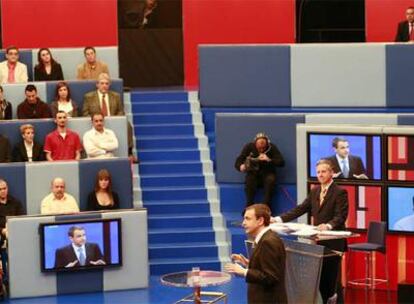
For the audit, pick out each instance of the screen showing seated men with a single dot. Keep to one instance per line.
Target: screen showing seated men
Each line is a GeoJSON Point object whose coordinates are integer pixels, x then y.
{"type": "Point", "coordinates": [75, 245]}
{"type": "Point", "coordinates": [400, 206]}
{"type": "Point", "coordinates": [353, 156]}
{"type": "Point", "coordinates": [400, 157]}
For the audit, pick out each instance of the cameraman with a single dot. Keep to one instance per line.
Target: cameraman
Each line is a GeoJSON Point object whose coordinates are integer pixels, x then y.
{"type": "Point", "coordinates": [259, 160]}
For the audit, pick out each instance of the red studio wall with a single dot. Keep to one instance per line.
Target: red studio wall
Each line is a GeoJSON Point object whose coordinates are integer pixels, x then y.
{"type": "Point", "coordinates": [63, 23]}
{"type": "Point", "coordinates": [382, 18]}
{"type": "Point", "coordinates": [233, 21]}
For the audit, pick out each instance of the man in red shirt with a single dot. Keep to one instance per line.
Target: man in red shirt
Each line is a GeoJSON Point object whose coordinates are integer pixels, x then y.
{"type": "Point", "coordinates": [62, 144]}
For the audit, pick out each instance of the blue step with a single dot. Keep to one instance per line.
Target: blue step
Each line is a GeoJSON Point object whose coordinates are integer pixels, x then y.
{"type": "Point", "coordinates": [183, 250]}
{"type": "Point", "coordinates": [163, 130]}
{"type": "Point", "coordinates": [172, 206]}
{"type": "Point", "coordinates": [163, 266]}
{"type": "Point", "coordinates": [162, 118]}
{"type": "Point", "coordinates": [172, 180]}
{"type": "Point", "coordinates": [158, 96]}
{"type": "Point", "coordinates": [157, 167]}
{"type": "Point", "coordinates": [170, 142]}
{"type": "Point", "coordinates": [162, 194]}
{"type": "Point", "coordinates": [169, 155]}
{"type": "Point", "coordinates": [189, 220]}
{"type": "Point", "coordinates": [164, 107]}
{"type": "Point", "coordinates": [183, 235]}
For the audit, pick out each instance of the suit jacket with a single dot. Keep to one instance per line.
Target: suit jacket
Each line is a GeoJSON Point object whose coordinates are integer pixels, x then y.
{"type": "Point", "coordinates": [5, 150]}
{"type": "Point", "coordinates": [403, 32]}
{"type": "Point", "coordinates": [92, 105]}
{"type": "Point", "coordinates": [20, 153]}
{"type": "Point", "coordinates": [266, 272]}
{"type": "Point", "coordinates": [56, 73]}
{"type": "Point", "coordinates": [20, 72]}
{"type": "Point", "coordinates": [356, 166]}
{"type": "Point", "coordinates": [66, 255]}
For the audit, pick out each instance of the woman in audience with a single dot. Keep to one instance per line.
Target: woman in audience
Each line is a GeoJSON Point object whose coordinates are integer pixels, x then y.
{"type": "Point", "coordinates": [28, 150]}
{"type": "Point", "coordinates": [103, 198]}
{"type": "Point", "coordinates": [63, 101]}
{"type": "Point", "coordinates": [5, 107]}
{"type": "Point", "coordinates": [47, 68]}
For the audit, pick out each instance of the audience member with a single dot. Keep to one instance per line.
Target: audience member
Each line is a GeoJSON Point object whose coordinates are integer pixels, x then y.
{"type": "Point", "coordinates": [9, 206]}
{"type": "Point", "coordinates": [11, 70]}
{"type": "Point", "coordinates": [63, 143]}
{"type": "Point", "coordinates": [47, 68]}
{"type": "Point", "coordinates": [99, 142]}
{"type": "Point", "coordinates": [63, 101]}
{"type": "Point", "coordinates": [58, 201]}
{"type": "Point", "coordinates": [5, 107]}
{"type": "Point", "coordinates": [103, 198]}
{"type": "Point", "coordinates": [32, 106]}
{"type": "Point", "coordinates": [92, 68]}
{"type": "Point", "coordinates": [405, 29]}
{"type": "Point", "coordinates": [5, 149]}
{"type": "Point", "coordinates": [28, 150]}
{"type": "Point", "coordinates": [259, 160]}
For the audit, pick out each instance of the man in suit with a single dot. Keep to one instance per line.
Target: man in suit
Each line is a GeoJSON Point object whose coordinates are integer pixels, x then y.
{"type": "Point", "coordinates": [265, 271]}
{"type": "Point", "coordinates": [327, 204]}
{"type": "Point", "coordinates": [79, 252]}
{"type": "Point", "coordinates": [11, 70]}
{"type": "Point", "coordinates": [405, 28]}
{"type": "Point", "coordinates": [345, 165]}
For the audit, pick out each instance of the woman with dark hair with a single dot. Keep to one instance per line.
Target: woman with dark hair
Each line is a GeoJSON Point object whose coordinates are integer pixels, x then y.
{"type": "Point", "coordinates": [5, 107]}
{"type": "Point", "coordinates": [103, 198]}
{"type": "Point", "coordinates": [63, 101]}
{"type": "Point", "coordinates": [47, 68]}
{"type": "Point", "coordinates": [28, 150]}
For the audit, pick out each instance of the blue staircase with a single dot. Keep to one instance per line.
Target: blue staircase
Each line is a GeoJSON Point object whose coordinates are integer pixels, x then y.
{"type": "Point", "coordinates": [177, 183]}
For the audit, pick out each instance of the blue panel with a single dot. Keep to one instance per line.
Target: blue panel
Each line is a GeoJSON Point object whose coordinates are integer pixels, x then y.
{"type": "Point", "coordinates": [120, 169]}
{"type": "Point", "coordinates": [233, 131]}
{"type": "Point", "coordinates": [25, 56]}
{"type": "Point", "coordinates": [15, 176]}
{"type": "Point", "coordinates": [406, 119]}
{"type": "Point", "coordinates": [239, 76]}
{"type": "Point", "coordinates": [399, 71]}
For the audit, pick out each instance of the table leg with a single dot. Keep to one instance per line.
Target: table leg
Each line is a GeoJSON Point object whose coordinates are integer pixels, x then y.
{"type": "Point", "coordinates": [197, 295]}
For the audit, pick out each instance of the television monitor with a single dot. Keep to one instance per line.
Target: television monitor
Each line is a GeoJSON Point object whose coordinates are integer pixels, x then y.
{"type": "Point", "coordinates": [363, 154]}
{"type": "Point", "coordinates": [400, 209]}
{"type": "Point", "coordinates": [81, 244]}
{"type": "Point", "coordinates": [400, 158]}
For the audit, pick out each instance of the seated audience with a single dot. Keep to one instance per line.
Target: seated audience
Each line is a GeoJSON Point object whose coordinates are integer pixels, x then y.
{"type": "Point", "coordinates": [5, 149]}
{"type": "Point", "coordinates": [28, 150]}
{"type": "Point", "coordinates": [11, 70]}
{"type": "Point", "coordinates": [58, 201]}
{"type": "Point", "coordinates": [63, 143]}
{"type": "Point", "coordinates": [9, 206]}
{"type": "Point", "coordinates": [103, 198]}
{"type": "Point", "coordinates": [91, 69]}
{"type": "Point", "coordinates": [47, 68]}
{"type": "Point", "coordinates": [5, 107]}
{"type": "Point", "coordinates": [99, 142]}
{"type": "Point", "coordinates": [32, 106]}
{"type": "Point", "coordinates": [63, 101]}
{"type": "Point", "coordinates": [405, 29]}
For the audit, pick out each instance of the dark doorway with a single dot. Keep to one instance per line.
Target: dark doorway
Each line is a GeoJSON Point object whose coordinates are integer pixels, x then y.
{"type": "Point", "coordinates": [330, 21]}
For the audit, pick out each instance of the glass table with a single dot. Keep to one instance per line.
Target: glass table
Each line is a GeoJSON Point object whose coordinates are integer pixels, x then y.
{"type": "Point", "coordinates": [205, 278]}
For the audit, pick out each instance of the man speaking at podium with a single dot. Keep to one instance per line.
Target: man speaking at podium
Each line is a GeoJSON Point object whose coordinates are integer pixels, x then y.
{"type": "Point", "coordinates": [328, 206]}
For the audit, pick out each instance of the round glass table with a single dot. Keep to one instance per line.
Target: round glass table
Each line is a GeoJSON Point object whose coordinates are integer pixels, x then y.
{"type": "Point", "coordinates": [203, 278]}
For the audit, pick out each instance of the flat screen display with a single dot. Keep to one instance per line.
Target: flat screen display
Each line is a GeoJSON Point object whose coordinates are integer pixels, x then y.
{"type": "Point", "coordinates": [400, 158]}
{"type": "Point", "coordinates": [400, 209]}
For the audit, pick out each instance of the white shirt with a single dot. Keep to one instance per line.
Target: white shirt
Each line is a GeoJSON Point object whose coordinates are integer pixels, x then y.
{"type": "Point", "coordinates": [51, 205]}
{"type": "Point", "coordinates": [106, 101]}
{"type": "Point", "coordinates": [100, 145]}
{"type": "Point", "coordinates": [65, 106]}
{"type": "Point", "coordinates": [29, 150]}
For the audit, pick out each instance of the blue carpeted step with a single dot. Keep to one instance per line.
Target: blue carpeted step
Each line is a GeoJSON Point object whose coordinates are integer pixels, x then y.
{"type": "Point", "coordinates": [163, 266]}
{"type": "Point", "coordinates": [176, 193]}
{"type": "Point", "coordinates": [164, 130]}
{"type": "Point", "coordinates": [168, 155]}
{"type": "Point", "coordinates": [157, 167]}
{"type": "Point", "coordinates": [183, 250]}
{"type": "Point", "coordinates": [182, 235]}
{"type": "Point", "coordinates": [172, 180]}
{"type": "Point", "coordinates": [162, 118]}
{"type": "Point", "coordinates": [168, 142]}
{"type": "Point", "coordinates": [174, 206]}
{"type": "Point", "coordinates": [179, 220]}
{"type": "Point", "coordinates": [158, 96]}
{"type": "Point", "coordinates": [161, 107]}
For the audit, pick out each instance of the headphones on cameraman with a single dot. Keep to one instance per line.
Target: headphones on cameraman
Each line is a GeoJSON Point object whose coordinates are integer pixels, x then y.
{"type": "Point", "coordinates": [261, 135]}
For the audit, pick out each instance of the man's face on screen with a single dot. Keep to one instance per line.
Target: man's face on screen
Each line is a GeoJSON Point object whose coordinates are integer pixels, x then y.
{"type": "Point", "coordinates": [78, 238]}
{"type": "Point", "coordinates": [251, 224]}
{"type": "Point", "coordinates": [324, 173]}
{"type": "Point", "coordinates": [342, 149]}
{"type": "Point", "coordinates": [409, 14]}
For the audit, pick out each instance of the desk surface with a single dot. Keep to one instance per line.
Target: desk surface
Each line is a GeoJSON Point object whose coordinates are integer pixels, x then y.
{"type": "Point", "coordinates": [185, 279]}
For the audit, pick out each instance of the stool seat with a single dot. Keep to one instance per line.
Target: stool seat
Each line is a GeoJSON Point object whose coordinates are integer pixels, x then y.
{"type": "Point", "coordinates": [367, 247]}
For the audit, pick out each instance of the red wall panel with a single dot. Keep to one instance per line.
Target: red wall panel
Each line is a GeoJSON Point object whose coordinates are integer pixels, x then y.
{"type": "Point", "coordinates": [382, 18]}
{"type": "Point", "coordinates": [233, 21]}
{"type": "Point", "coordinates": [63, 23]}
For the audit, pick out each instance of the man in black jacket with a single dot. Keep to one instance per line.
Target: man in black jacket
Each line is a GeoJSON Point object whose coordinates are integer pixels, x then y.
{"type": "Point", "coordinates": [405, 28]}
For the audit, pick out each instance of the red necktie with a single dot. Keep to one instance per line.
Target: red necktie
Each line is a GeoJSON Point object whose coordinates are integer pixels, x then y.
{"type": "Point", "coordinates": [411, 31]}
{"type": "Point", "coordinates": [104, 108]}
